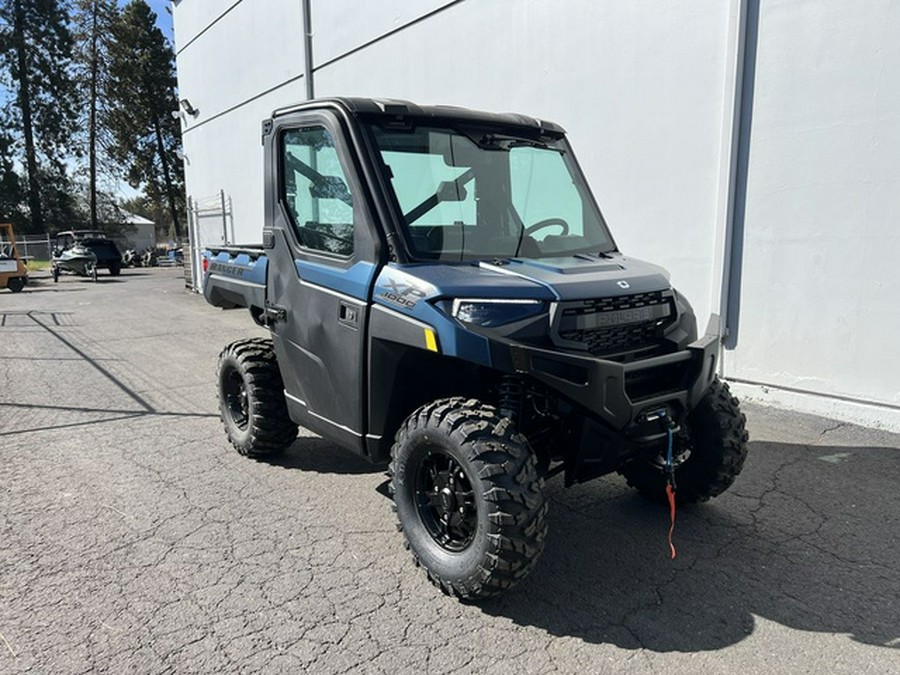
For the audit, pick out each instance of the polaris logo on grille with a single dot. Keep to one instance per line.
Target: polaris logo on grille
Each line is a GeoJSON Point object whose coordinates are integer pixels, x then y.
{"type": "Point", "coordinates": [624, 316]}
{"type": "Point", "coordinates": [621, 317]}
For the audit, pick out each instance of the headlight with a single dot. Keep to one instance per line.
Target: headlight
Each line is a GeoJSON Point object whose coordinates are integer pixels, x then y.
{"type": "Point", "coordinates": [490, 312]}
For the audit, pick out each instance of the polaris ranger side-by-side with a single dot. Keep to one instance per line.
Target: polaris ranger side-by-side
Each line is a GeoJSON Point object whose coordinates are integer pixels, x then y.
{"type": "Point", "coordinates": [443, 293]}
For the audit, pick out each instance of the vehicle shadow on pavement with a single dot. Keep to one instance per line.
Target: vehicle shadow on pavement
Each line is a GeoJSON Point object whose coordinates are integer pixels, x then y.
{"type": "Point", "coordinates": [806, 538]}
{"type": "Point", "coordinates": [315, 454]}
{"type": "Point", "coordinates": [45, 287]}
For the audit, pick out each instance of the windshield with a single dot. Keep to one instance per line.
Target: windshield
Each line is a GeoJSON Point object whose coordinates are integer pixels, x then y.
{"type": "Point", "coordinates": [467, 195]}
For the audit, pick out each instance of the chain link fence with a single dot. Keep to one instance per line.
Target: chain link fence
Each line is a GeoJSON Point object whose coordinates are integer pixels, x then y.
{"type": "Point", "coordinates": [34, 246]}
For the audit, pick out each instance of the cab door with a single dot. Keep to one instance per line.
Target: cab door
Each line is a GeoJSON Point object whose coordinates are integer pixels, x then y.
{"type": "Point", "coordinates": [323, 251]}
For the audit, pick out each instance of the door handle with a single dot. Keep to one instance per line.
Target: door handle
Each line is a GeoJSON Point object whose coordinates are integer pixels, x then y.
{"type": "Point", "coordinates": [273, 314]}
{"type": "Point", "coordinates": [348, 314]}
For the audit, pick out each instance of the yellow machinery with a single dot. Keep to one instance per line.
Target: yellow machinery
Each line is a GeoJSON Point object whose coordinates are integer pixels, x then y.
{"type": "Point", "coordinates": [13, 272]}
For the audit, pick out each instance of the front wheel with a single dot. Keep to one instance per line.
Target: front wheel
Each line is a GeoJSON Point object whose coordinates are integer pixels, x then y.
{"type": "Point", "coordinates": [15, 284]}
{"type": "Point", "coordinates": [709, 452]}
{"type": "Point", "coordinates": [251, 399]}
{"type": "Point", "coordinates": [468, 497]}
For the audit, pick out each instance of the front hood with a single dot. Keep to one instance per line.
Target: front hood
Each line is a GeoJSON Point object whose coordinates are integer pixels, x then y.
{"type": "Point", "coordinates": [579, 314]}
{"type": "Point", "coordinates": [564, 278]}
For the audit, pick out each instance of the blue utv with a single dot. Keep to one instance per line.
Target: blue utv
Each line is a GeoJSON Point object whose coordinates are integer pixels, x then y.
{"type": "Point", "coordinates": [443, 294]}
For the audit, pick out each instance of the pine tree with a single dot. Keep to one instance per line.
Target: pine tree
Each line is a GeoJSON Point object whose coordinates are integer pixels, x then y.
{"type": "Point", "coordinates": [142, 98]}
{"type": "Point", "coordinates": [35, 59]}
{"type": "Point", "coordinates": [93, 25]}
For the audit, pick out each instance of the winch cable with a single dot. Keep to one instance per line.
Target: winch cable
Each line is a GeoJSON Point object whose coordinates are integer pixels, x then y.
{"type": "Point", "coordinates": [670, 485]}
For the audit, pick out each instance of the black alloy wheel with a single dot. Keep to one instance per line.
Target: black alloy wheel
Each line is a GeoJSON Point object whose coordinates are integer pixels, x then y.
{"type": "Point", "coordinates": [446, 501]}
{"type": "Point", "coordinates": [236, 399]}
{"type": "Point", "coordinates": [468, 497]}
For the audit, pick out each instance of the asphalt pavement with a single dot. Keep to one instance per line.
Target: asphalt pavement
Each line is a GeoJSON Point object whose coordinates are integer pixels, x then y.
{"type": "Point", "coordinates": [134, 539]}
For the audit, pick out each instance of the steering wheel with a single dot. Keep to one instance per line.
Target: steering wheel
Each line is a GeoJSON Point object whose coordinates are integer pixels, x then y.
{"type": "Point", "coordinates": [548, 222]}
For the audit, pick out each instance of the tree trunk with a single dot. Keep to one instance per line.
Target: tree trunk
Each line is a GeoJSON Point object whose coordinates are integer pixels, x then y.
{"type": "Point", "coordinates": [170, 190]}
{"type": "Point", "coordinates": [34, 186]}
{"type": "Point", "coordinates": [92, 122]}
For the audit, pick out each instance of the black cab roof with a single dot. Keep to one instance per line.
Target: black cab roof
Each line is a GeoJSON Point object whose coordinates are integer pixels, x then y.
{"type": "Point", "coordinates": [399, 109]}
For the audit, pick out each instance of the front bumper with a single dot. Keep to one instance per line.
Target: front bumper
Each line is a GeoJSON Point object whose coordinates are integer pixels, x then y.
{"type": "Point", "coordinates": [620, 394]}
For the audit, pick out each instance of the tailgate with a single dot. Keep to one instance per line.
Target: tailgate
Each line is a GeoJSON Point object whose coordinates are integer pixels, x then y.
{"type": "Point", "coordinates": [235, 277]}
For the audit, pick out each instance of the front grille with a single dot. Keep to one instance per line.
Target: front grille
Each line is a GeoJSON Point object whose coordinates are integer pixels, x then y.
{"type": "Point", "coordinates": [623, 326]}
{"type": "Point", "coordinates": [601, 342]}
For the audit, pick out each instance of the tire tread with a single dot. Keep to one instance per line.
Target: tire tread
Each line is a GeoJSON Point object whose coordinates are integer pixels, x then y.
{"type": "Point", "coordinates": [272, 429]}
{"type": "Point", "coordinates": [510, 485]}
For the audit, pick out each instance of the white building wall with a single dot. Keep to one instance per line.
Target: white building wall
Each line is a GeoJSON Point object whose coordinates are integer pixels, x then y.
{"type": "Point", "coordinates": [819, 304]}
{"type": "Point", "coordinates": [193, 17]}
{"type": "Point", "coordinates": [244, 53]}
{"type": "Point", "coordinates": [349, 24]}
{"type": "Point", "coordinates": [229, 152]}
{"type": "Point", "coordinates": [642, 88]}
{"type": "Point", "coordinates": [642, 103]}
{"type": "Point", "coordinates": [236, 64]}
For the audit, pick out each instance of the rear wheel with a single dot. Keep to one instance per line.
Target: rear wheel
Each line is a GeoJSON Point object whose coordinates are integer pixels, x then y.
{"type": "Point", "coordinates": [709, 453]}
{"type": "Point", "coordinates": [15, 284]}
{"type": "Point", "coordinates": [55, 271]}
{"type": "Point", "coordinates": [251, 399]}
{"type": "Point", "coordinates": [115, 268]}
{"type": "Point", "coordinates": [468, 497]}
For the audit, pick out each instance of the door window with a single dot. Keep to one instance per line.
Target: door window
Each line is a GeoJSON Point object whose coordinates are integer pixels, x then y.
{"type": "Point", "coordinates": [316, 192]}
